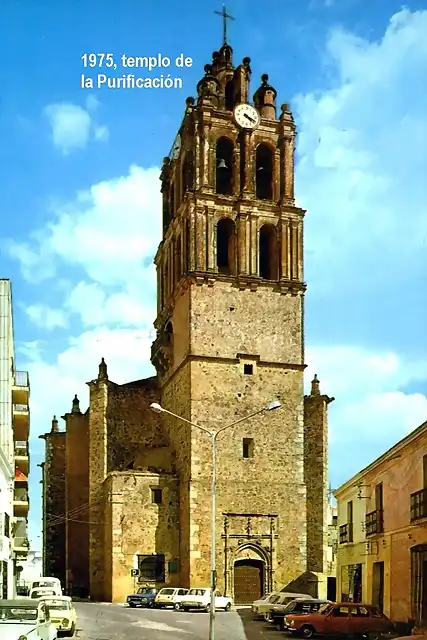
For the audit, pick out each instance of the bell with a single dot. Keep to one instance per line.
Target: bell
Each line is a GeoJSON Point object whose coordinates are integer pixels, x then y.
{"type": "Point", "coordinates": [222, 164]}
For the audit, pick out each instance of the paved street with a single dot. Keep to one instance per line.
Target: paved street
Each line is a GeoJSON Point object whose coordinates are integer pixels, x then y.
{"type": "Point", "coordinates": [115, 622]}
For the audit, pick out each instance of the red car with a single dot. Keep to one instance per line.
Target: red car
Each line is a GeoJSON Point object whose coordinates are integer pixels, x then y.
{"type": "Point", "coordinates": [343, 618]}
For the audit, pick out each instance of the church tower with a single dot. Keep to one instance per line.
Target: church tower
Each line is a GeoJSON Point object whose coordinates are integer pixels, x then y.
{"type": "Point", "coordinates": [230, 331]}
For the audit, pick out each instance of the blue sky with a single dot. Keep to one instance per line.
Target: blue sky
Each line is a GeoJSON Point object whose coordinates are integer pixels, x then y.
{"type": "Point", "coordinates": [80, 202]}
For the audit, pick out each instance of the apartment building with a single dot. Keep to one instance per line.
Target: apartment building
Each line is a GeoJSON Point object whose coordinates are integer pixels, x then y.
{"type": "Point", "coordinates": [14, 451]}
{"type": "Point", "coordinates": [382, 521]}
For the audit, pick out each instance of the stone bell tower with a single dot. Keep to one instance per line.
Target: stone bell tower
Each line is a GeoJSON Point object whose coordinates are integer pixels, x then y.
{"type": "Point", "coordinates": [230, 330]}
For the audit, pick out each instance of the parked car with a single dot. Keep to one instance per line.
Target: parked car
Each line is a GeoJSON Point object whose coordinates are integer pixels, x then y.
{"type": "Point", "coordinates": [48, 583]}
{"type": "Point", "coordinates": [28, 619]}
{"type": "Point", "coordinates": [341, 619]}
{"type": "Point", "coordinates": [301, 606]}
{"type": "Point", "coordinates": [261, 607]}
{"type": "Point", "coordinates": [62, 613]}
{"type": "Point", "coordinates": [144, 597]}
{"type": "Point", "coordinates": [201, 599]}
{"type": "Point", "coordinates": [170, 597]}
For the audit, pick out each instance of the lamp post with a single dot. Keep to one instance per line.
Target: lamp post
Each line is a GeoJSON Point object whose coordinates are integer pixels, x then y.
{"type": "Point", "coordinates": [275, 404]}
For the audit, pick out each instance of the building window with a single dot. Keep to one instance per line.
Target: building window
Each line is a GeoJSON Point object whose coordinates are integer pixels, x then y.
{"type": "Point", "coordinates": [172, 202]}
{"type": "Point", "coordinates": [350, 521]}
{"type": "Point", "coordinates": [264, 173]}
{"type": "Point", "coordinates": [188, 172]}
{"type": "Point", "coordinates": [248, 369]}
{"type": "Point", "coordinates": [225, 246]}
{"type": "Point", "coordinates": [248, 447]}
{"type": "Point", "coordinates": [424, 472]}
{"type": "Point", "coordinates": [268, 253]}
{"type": "Point", "coordinates": [224, 166]}
{"type": "Point", "coordinates": [156, 496]}
{"type": "Point", "coordinates": [7, 525]}
{"type": "Point", "coordinates": [151, 568]}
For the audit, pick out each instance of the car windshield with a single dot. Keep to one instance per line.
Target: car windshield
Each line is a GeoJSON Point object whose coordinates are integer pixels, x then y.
{"type": "Point", "coordinates": [144, 590]}
{"type": "Point", "coordinates": [274, 599]}
{"type": "Point", "coordinates": [58, 605]}
{"type": "Point", "coordinates": [17, 614]}
{"type": "Point", "coordinates": [290, 606]}
{"type": "Point", "coordinates": [197, 592]}
{"type": "Point", "coordinates": [167, 592]}
{"type": "Point", "coordinates": [325, 609]}
{"type": "Point", "coordinates": [44, 583]}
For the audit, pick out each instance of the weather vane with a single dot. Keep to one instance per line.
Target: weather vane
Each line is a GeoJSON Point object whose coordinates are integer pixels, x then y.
{"type": "Point", "coordinates": [225, 17]}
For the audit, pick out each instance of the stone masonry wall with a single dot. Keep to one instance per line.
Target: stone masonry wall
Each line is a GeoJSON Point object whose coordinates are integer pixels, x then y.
{"type": "Point", "coordinates": [136, 436]}
{"type": "Point", "coordinates": [54, 478]}
{"type": "Point", "coordinates": [140, 527]}
{"type": "Point", "coordinates": [271, 482]}
{"type": "Point", "coordinates": [77, 493]}
{"type": "Point", "coordinates": [316, 479]}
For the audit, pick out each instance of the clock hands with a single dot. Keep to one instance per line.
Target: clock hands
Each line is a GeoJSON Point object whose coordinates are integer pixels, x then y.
{"type": "Point", "coordinates": [249, 117]}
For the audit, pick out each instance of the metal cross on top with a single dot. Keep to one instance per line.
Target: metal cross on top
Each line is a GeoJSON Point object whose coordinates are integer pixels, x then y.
{"type": "Point", "coordinates": [225, 17]}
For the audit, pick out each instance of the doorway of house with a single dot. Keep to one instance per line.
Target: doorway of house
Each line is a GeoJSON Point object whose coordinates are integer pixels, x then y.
{"type": "Point", "coordinates": [378, 585]}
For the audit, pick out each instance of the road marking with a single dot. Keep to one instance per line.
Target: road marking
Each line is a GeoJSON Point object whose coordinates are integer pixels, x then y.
{"type": "Point", "coordinates": [159, 626]}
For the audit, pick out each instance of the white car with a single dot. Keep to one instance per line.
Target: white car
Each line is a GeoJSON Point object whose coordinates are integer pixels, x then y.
{"type": "Point", "coordinates": [62, 614]}
{"type": "Point", "coordinates": [259, 606]}
{"type": "Point", "coordinates": [170, 597]}
{"type": "Point", "coordinates": [201, 599]}
{"type": "Point", "coordinates": [27, 619]}
{"type": "Point", "coordinates": [41, 592]}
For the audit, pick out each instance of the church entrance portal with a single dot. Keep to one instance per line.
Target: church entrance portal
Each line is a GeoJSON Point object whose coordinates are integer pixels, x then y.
{"type": "Point", "coordinates": [248, 580]}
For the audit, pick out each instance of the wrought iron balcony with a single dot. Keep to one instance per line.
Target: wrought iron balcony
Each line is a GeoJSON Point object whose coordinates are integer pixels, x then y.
{"type": "Point", "coordinates": [346, 533]}
{"type": "Point", "coordinates": [374, 522]}
{"type": "Point", "coordinates": [419, 505]}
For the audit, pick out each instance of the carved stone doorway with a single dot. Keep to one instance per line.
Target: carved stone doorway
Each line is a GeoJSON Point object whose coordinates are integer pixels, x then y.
{"type": "Point", "coordinates": [248, 580]}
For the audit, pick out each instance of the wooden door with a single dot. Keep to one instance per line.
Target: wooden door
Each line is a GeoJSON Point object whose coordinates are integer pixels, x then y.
{"type": "Point", "coordinates": [248, 581]}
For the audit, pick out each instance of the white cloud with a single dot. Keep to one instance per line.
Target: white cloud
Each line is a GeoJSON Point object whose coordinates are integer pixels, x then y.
{"type": "Point", "coordinates": [362, 160]}
{"type": "Point", "coordinates": [72, 126]}
{"type": "Point", "coordinates": [46, 317]}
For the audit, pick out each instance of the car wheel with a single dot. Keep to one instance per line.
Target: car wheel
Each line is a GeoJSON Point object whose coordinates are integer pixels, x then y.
{"type": "Point", "coordinates": [307, 631]}
{"type": "Point", "coordinates": [227, 607]}
{"type": "Point", "coordinates": [186, 609]}
{"type": "Point", "coordinates": [374, 635]}
{"type": "Point", "coordinates": [280, 626]}
{"type": "Point", "coordinates": [72, 631]}
{"type": "Point", "coordinates": [132, 605]}
{"type": "Point", "coordinates": [208, 608]}
{"type": "Point", "coordinates": [177, 606]}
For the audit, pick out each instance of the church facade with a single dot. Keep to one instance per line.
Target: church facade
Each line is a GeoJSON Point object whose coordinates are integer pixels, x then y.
{"type": "Point", "coordinates": [230, 339]}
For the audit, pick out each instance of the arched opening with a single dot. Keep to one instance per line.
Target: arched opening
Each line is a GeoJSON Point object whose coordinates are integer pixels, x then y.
{"type": "Point", "coordinates": [166, 214]}
{"type": "Point", "coordinates": [187, 172]}
{"type": "Point", "coordinates": [264, 172]}
{"type": "Point", "coordinates": [169, 334]}
{"type": "Point", "coordinates": [224, 166]}
{"type": "Point", "coordinates": [225, 246]}
{"type": "Point", "coordinates": [229, 95]}
{"type": "Point", "coordinates": [248, 580]}
{"type": "Point", "coordinates": [268, 253]}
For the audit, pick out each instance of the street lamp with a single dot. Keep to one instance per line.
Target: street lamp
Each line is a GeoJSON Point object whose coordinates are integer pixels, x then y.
{"type": "Point", "coordinates": [275, 404]}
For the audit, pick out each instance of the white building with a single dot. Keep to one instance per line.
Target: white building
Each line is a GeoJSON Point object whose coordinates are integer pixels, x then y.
{"type": "Point", "coordinates": [14, 451]}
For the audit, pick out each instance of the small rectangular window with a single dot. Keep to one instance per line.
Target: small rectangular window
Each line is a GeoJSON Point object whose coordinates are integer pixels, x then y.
{"type": "Point", "coordinates": [248, 447]}
{"type": "Point", "coordinates": [248, 369]}
{"type": "Point", "coordinates": [156, 496]}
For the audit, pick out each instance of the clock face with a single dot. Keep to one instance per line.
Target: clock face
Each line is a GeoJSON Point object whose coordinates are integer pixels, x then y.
{"type": "Point", "coordinates": [246, 116]}
{"type": "Point", "coordinates": [176, 148]}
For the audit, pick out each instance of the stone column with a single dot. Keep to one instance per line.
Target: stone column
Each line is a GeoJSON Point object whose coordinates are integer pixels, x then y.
{"type": "Point", "coordinates": [191, 238]}
{"type": "Point", "coordinates": [200, 240]}
{"type": "Point", "coordinates": [254, 246]}
{"type": "Point", "coordinates": [294, 250]}
{"type": "Point", "coordinates": [241, 241]}
{"type": "Point", "coordinates": [276, 176]}
{"type": "Point", "coordinates": [285, 241]}
{"type": "Point", "coordinates": [211, 240]}
{"type": "Point", "coordinates": [289, 170]}
{"type": "Point", "coordinates": [247, 157]}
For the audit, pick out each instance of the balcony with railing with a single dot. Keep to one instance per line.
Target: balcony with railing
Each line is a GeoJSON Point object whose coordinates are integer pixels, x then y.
{"type": "Point", "coordinates": [21, 421]}
{"type": "Point", "coordinates": [346, 533]}
{"type": "Point", "coordinates": [22, 456]}
{"type": "Point", "coordinates": [418, 504]}
{"type": "Point", "coordinates": [21, 388]}
{"type": "Point", "coordinates": [21, 502]}
{"type": "Point", "coordinates": [374, 522]}
{"type": "Point", "coordinates": [20, 543]}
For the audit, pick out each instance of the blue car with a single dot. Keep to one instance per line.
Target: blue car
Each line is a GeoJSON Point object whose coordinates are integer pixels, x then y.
{"type": "Point", "coordinates": [144, 597]}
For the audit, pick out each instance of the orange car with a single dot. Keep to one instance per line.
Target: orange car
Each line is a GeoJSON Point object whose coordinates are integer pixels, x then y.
{"type": "Point", "coordinates": [343, 618]}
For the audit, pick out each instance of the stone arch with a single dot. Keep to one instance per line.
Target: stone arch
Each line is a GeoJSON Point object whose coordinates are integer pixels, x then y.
{"type": "Point", "coordinates": [264, 171]}
{"type": "Point", "coordinates": [268, 252]}
{"type": "Point", "coordinates": [224, 158]}
{"type": "Point", "coordinates": [251, 571]}
{"type": "Point", "coordinates": [226, 246]}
